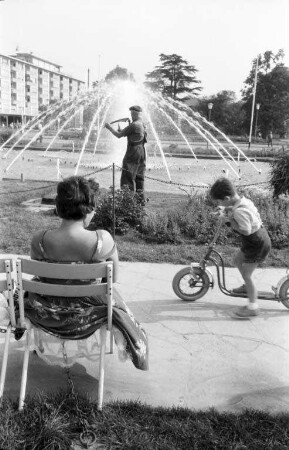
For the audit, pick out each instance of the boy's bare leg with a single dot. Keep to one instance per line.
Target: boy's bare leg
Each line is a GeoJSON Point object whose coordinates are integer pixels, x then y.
{"type": "Point", "coordinates": [246, 270]}
{"type": "Point", "coordinates": [239, 260]}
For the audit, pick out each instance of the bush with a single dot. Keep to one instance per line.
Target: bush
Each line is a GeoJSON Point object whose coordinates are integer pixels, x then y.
{"type": "Point", "coordinates": [193, 221]}
{"type": "Point", "coordinates": [161, 228]}
{"type": "Point", "coordinates": [279, 175]}
{"type": "Point", "coordinates": [129, 211]}
{"type": "Point", "coordinates": [5, 134]}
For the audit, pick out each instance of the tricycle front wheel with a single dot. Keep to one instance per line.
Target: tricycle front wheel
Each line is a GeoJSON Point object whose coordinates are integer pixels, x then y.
{"type": "Point", "coordinates": [191, 283]}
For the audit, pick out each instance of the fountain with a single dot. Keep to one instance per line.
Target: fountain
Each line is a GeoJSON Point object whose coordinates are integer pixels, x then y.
{"type": "Point", "coordinates": [168, 123]}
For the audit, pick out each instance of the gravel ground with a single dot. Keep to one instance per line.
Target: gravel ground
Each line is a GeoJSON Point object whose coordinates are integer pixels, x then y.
{"type": "Point", "coordinates": [35, 165]}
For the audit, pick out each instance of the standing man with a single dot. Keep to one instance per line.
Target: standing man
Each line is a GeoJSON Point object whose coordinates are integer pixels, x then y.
{"type": "Point", "coordinates": [134, 161]}
{"type": "Point", "coordinates": [270, 139]}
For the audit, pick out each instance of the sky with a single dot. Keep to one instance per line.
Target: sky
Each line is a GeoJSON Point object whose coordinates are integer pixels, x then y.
{"type": "Point", "coordinates": [219, 37]}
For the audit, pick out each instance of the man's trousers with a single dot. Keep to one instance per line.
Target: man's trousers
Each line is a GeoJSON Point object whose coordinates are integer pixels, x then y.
{"type": "Point", "coordinates": [133, 168]}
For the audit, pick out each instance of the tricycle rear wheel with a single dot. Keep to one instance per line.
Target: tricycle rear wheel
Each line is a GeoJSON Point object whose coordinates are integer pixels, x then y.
{"type": "Point", "coordinates": [191, 283]}
{"type": "Point", "coordinates": [284, 293]}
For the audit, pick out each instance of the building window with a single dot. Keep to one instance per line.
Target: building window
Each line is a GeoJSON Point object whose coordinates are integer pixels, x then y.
{"type": "Point", "coordinates": [27, 98]}
{"type": "Point", "coordinates": [13, 99]}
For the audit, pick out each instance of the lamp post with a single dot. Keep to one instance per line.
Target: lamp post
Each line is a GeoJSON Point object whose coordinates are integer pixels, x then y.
{"type": "Point", "coordinates": [253, 101]}
{"type": "Point", "coordinates": [210, 107]}
{"type": "Point", "coordinates": [256, 124]}
{"type": "Point", "coordinates": [98, 82]}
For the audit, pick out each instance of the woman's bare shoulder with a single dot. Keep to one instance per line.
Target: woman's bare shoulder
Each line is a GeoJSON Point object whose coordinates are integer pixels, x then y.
{"type": "Point", "coordinates": [104, 234]}
{"type": "Point", "coordinates": [105, 237]}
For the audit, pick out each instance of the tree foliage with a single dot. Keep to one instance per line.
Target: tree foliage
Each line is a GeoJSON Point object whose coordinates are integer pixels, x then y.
{"type": "Point", "coordinates": [174, 78]}
{"type": "Point", "coordinates": [119, 73]}
{"type": "Point", "coordinates": [227, 113]}
{"type": "Point", "coordinates": [272, 93]}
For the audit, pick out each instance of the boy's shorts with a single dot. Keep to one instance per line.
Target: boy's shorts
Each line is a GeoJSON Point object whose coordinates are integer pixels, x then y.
{"type": "Point", "coordinates": [256, 246]}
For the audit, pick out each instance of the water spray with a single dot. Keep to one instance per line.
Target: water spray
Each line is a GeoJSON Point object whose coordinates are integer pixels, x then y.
{"type": "Point", "coordinates": [100, 126]}
{"type": "Point", "coordinates": [180, 131]}
{"type": "Point", "coordinates": [96, 115]}
{"type": "Point", "coordinates": [190, 122]}
{"type": "Point", "coordinates": [210, 124]}
{"type": "Point", "coordinates": [64, 125]}
{"type": "Point", "coordinates": [35, 138]}
{"type": "Point", "coordinates": [159, 145]}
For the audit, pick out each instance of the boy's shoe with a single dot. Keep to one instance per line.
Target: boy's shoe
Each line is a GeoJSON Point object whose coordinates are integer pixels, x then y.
{"type": "Point", "coordinates": [240, 290]}
{"type": "Point", "coordinates": [245, 313]}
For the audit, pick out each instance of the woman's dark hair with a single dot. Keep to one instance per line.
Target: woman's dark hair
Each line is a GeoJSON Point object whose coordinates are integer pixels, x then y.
{"type": "Point", "coordinates": [75, 198]}
{"type": "Point", "coordinates": [222, 188]}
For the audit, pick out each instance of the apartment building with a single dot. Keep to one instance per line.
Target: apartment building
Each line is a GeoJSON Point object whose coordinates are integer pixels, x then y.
{"type": "Point", "coordinates": [28, 82]}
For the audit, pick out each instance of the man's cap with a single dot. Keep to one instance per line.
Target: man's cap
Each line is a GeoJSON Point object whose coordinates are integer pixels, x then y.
{"type": "Point", "coordinates": [135, 108]}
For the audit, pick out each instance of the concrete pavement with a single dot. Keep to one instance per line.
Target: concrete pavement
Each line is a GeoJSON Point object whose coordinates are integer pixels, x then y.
{"type": "Point", "coordinates": [200, 356]}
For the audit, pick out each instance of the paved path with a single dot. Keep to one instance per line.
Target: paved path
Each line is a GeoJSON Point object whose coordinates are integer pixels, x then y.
{"type": "Point", "coordinates": [200, 356]}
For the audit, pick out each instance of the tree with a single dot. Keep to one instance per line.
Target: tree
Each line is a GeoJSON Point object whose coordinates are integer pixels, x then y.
{"type": "Point", "coordinates": [119, 73]}
{"type": "Point", "coordinates": [174, 78]}
{"type": "Point", "coordinates": [272, 92]}
{"type": "Point", "coordinates": [227, 113]}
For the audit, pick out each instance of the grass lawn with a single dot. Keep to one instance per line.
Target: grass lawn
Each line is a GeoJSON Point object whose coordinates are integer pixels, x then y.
{"type": "Point", "coordinates": [18, 224]}
{"type": "Point", "coordinates": [50, 422]}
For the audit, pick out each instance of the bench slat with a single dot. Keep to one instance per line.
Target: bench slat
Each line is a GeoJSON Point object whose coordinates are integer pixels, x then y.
{"type": "Point", "coordinates": [64, 271]}
{"type": "Point", "coordinates": [64, 290]}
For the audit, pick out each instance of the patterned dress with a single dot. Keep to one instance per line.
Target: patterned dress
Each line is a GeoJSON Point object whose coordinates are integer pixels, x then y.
{"type": "Point", "coordinates": [70, 318]}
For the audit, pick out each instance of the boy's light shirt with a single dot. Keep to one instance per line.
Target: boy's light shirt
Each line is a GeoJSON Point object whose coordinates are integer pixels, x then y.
{"type": "Point", "coordinates": [245, 213]}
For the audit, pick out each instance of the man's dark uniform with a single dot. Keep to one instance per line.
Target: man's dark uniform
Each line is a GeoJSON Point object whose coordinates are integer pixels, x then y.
{"type": "Point", "coordinates": [134, 161]}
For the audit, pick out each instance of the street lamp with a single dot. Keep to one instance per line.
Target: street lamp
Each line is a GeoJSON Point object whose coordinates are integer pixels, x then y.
{"type": "Point", "coordinates": [210, 106]}
{"type": "Point", "coordinates": [256, 124]}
